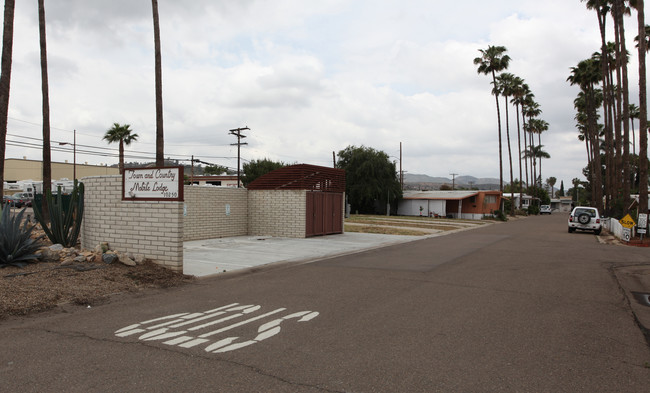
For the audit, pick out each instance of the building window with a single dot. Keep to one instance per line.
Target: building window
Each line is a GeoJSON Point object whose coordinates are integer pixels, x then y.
{"type": "Point", "coordinates": [214, 183]}
{"type": "Point", "coordinates": [490, 199]}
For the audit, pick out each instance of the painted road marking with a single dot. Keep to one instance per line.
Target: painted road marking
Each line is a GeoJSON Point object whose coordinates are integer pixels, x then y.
{"type": "Point", "coordinates": [186, 330]}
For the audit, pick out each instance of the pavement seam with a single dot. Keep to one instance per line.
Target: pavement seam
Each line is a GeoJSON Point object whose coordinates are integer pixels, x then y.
{"type": "Point", "coordinates": [73, 334]}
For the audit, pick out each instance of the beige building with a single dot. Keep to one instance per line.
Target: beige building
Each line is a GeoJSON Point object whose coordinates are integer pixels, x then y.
{"type": "Point", "coordinates": [22, 169]}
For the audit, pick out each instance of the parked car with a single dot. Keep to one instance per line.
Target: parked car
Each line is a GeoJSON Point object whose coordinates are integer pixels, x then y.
{"type": "Point", "coordinates": [585, 219]}
{"type": "Point", "coordinates": [545, 209]}
{"type": "Point", "coordinates": [18, 199]}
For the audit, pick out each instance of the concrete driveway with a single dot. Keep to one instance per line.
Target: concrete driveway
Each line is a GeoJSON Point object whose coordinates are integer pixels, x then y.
{"type": "Point", "coordinates": [212, 256]}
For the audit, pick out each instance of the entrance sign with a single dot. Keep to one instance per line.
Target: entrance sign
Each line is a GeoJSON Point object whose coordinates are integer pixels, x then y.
{"type": "Point", "coordinates": [153, 184]}
{"type": "Point", "coordinates": [627, 221]}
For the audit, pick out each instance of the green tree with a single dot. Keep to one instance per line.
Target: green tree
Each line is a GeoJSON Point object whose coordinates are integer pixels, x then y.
{"type": "Point", "coordinates": [493, 60]}
{"type": "Point", "coordinates": [561, 191]}
{"type": "Point", "coordinates": [634, 114]}
{"type": "Point", "coordinates": [160, 140]}
{"type": "Point", "coordinates": [5, 78]}
{"type": "Point", "coordinates": [215, 170]}
{"type": "Point", "coordinates": [256, 168]}
{"type": "Point", "coordinates": [520, 89]}
{"type": "Point", "coordinates": [122, 135]}
{"type": "Point", "coordinates": [370, 178]}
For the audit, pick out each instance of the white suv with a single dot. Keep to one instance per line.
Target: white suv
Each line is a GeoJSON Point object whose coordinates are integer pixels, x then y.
{"type": "Point", "coordinates": [586, 219]}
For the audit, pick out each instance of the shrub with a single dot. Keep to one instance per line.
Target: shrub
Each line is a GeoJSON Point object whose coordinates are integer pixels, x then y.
{"type": "Point", "coordinates": [65, 216]}
{"type": "Point", "coordinates": [16, 244]}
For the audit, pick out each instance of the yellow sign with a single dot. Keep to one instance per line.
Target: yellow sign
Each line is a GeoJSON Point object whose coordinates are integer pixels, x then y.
{"type": "Point", "coordinates": [627, 221]}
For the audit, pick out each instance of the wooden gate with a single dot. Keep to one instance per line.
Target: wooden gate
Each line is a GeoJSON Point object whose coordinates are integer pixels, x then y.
{"type": "Point", "coordinates": [324, 213]}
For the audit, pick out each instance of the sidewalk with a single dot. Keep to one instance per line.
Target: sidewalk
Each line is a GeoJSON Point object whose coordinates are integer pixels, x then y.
{"type": "Point", "coordinates": [211, 256]}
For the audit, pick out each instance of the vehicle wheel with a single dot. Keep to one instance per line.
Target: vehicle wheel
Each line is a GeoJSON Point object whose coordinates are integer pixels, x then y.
{"type": "Point", "coordinates": [584, 218]}
{"type": "Point", "coordinates": [597, 231]}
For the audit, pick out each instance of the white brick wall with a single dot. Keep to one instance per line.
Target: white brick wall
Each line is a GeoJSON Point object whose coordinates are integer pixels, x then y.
{"type": "Point", "coordinates": [206, 212]}
{"type": "Point", "coordinates": [279, 213]}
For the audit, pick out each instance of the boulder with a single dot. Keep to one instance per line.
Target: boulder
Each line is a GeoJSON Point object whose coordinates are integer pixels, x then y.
{"type": "Point", "coordinates": [109, 258]}
{"type": "Point", "coordinates": [124, 258]}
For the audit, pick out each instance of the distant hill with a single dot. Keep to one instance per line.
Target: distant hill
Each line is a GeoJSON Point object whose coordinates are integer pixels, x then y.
{"type": "Point", "coordinates": [426, 182]}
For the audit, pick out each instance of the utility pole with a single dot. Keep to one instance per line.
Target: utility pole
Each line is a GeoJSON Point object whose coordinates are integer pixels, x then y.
{"type": "Point", "coordinates": [237, 132]}
{"type": "Point", "coordinates": [334, 159]}
{"type": "Point", "coordinates": [453, 180]}
{"type": "Point", "coordinates": [401, 174]}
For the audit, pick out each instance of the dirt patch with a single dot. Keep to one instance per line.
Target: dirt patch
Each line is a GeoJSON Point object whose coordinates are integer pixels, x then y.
{"type": "Point", "coordinates": [43, 286]}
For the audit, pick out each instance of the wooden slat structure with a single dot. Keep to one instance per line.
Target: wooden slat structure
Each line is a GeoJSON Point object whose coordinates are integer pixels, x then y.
{"type": "Point", "coordinates": [302, 177]}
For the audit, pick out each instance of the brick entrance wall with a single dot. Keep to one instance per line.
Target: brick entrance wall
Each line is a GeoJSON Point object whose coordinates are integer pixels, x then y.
{"type": "Point", "coordinates": [150, 228]}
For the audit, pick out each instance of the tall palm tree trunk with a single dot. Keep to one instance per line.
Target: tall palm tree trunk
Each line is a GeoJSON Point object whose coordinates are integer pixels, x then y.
{"type": "Point", "coordinates": [512, 190]}
{"type": "Point", "coordinates": [47, 159]}
{"type": "Point", "coordinates": [521, 191]}
{"type": "Point", "coordinates": [643, 113]}
{"type": "Point", "coordinates": [160, 140]}
{"type": "Point", "coordinates": [525, 138]}
{"type": "Point", "coordinates": [496, 97]}
{"type": "Point", "coordinates": [5, 79]}
{"type": "Point", "coordinates": [625, 159]}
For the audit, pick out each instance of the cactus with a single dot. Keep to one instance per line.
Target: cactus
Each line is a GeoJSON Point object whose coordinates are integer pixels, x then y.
{"type": "Point", "coordinates": [65, 216]}
{"type": "Point", "coordinates": [16, 245]}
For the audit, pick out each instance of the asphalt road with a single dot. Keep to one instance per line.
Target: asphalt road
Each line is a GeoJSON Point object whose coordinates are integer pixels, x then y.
{"type": "Point", "coordinates": [522, 306]}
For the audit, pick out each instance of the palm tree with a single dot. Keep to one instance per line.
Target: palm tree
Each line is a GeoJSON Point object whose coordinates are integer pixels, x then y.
{"type": "Point", "coordinates": [5, 78]}
{"type": "Point", "coordinates": [121, 134]}
{"type": "Point", "coordinates": [531, 110]}
{"type": "Point", "coordinates": [643, 106]}
{"type": "Point", "coordinates": [160, 140]}
{"type": "Point", "coordinates": [634, 114]}
{"type": "Point", "coordinates": [551, 182]}
{"type": "Point", "coordinates": [47, 159]}
{"type": "Point", "coordinates": [519, 92]}
{"type": "Point", "coordinates": [536, 152]}
{"type": "Point", "coordinates": [493, 60]}
{"type": "Point", "coordinates": [587, 74]}
{"type": "Point", "coordinates": [505, 86]}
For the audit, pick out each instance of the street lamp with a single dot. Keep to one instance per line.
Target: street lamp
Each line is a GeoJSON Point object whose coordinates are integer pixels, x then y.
{"type": "Point", "coordinates": [74, 154]}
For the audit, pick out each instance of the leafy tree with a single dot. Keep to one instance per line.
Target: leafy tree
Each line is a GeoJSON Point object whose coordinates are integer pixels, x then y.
{"type": "Point", "coordinates": [505, 86]}
{"type": "Point", "coordinates": [5, 78]}
{"type": "Point", "coordinates": [215, 170]}
{"type": "Point", "coordinates": [493, 60]}
{"type": "Point", "coordinates": [256, 168]}
{"type": "Point", "coordinates": [122, 135]}
{"type": "Point", "coordinates": [370, 178]}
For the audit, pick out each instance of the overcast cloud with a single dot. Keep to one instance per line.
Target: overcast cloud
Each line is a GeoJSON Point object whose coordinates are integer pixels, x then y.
{"type": "Point", "coordinates": [308, 78]}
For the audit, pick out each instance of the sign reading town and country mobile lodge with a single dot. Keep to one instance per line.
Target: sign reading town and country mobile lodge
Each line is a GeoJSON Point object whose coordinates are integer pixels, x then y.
{"type": "Point", "coordinates": [153, 184]}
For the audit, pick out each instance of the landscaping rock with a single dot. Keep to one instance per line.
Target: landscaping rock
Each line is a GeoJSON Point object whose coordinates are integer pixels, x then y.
{"type": "Point", "coordinates": [45, 254]}
{"type": "Point", "coordinates": [123, 258]}
{"type": "Point", "coordinates": [80, 258]}
{"type": "Point", "coordinates": [109, 258]}
{"type": "Point", "coordinates": [56, 247]}
{"type": "Point", "coordinates": [67, 262]}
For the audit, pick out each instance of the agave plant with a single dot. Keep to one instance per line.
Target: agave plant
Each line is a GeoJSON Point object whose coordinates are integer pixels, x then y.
{"type": "Point", "coordinates": [16, 244]}
{"type": "Point", "coordinates": [65, 216]}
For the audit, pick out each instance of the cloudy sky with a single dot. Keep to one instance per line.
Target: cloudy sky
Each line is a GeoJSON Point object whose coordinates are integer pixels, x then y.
{"type": "Point", "coordinates": [307, 77]}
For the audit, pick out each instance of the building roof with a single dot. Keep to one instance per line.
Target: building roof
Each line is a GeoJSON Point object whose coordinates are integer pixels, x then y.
{"type": "Point", "coordinates": [444, 195]}
{"type": "Point", "coordinates": [301, 177]}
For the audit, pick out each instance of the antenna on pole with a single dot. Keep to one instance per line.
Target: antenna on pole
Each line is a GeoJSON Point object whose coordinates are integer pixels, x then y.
{"type": "Point", "coordinates": [237, 132]}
